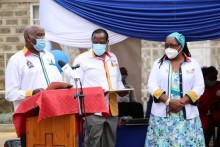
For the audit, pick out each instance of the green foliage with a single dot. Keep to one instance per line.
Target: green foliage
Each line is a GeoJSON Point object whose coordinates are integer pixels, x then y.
{"type": "Point", "coordinates": [6, 118]}
{"type": "Point", "coordinates": [5, 106]}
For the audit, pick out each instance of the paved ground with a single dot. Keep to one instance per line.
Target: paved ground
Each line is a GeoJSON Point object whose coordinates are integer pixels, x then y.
{"type": "Point", "coordinates": [12, 135]}
{"type": "Point", "coordinates": [6, 136]}
{"type": "Point", "coordinates": [9, 133]}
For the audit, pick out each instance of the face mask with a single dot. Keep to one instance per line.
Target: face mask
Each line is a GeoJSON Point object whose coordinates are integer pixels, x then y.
{"type": "Point", "coordinates": [123, 77]}
{"type": "Point", "coordinates": [40, 44]}
{"type": "Point", "coordinates": [171, 53]}
{"type": "Point", "coordinates": [210, 83]}
{"type": "Point", "coordinates": [99, 49]}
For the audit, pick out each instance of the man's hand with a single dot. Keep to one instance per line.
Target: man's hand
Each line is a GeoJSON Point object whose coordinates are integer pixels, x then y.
{"type": "Point", "coordinates": [122, 93]}
{"type": "Point", "coordinates": [105, 92]}
{"type": "Point", "coordinates": [35, 91]}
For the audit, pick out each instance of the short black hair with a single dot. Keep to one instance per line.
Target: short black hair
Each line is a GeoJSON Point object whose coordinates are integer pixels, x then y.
{"type": "Point", "coordinates": [123, 69]}
{"type": "Point", "coordinates": [100, 31]}
{"type": "Point", "coordinates": [211, 69]}
{"type": "Point", "coordinates": [207, 70]}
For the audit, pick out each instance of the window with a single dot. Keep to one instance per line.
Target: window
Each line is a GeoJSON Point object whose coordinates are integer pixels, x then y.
{"type": "Point", "coordinates": [34, 14]}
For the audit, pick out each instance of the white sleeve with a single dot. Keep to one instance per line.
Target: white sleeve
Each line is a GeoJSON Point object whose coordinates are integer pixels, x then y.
{"type": "Point", "coordinates": [13, 82]}
{"type": "Point", "coordinates": [198, 82]}
{"type": "Point", "coordinates": [120, 85]}
{"type": "Point", "coordinates": [154, 78]}
{"type": "Point", "coordinates": [79, 71]}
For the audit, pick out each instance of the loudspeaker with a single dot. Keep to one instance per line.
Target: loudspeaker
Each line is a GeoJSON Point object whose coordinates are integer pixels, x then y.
{"type": "Point", "coordinates": [12, 143]}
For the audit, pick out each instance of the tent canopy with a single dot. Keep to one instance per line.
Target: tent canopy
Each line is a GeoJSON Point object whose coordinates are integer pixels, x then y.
{"type": "Point", "coordinates": [151, 19]}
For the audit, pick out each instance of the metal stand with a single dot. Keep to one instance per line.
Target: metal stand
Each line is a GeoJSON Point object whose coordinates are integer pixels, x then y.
{"type": "Point", "coordinates": [79, 96]}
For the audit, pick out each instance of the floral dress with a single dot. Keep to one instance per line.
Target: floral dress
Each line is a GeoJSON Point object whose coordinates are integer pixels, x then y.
{"type": "Point", "coordinates": [174, 130]}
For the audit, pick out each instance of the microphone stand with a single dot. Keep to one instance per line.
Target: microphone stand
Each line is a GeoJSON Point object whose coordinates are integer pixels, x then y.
{"type": "Point", "coordinates": [79, 96]}
{"type": "Point", "coordinates": [81, 103]}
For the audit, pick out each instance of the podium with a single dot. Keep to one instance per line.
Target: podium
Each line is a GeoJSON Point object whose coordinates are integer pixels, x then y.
{"type": "Point", "coordinates": [59, 131]}
{"type": "Point", "coordinates": [50, 118]}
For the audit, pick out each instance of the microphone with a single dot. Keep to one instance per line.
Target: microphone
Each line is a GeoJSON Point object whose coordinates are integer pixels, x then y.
{"type": "Point", "coordinates": [73, 74]}
{"type": "Point", "coordinates": [68, 70]}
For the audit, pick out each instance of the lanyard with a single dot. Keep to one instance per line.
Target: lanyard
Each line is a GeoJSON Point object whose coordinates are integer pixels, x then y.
{"type": "Point", "coordinates": [44, 71]}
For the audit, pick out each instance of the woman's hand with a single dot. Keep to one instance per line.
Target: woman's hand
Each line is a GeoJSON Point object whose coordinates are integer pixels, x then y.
{"type": "Point", "coordinates": [184, 100]}
{"type": "Point", "coordinates": [175, 106]}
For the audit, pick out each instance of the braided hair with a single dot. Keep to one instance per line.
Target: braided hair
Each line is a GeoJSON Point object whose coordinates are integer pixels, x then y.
{"type": "Point", "coordinates": [186, 50]}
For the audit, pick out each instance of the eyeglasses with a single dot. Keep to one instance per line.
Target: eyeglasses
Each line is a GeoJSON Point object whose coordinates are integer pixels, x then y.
{"type": "Point", "coordinates": [174, 46]}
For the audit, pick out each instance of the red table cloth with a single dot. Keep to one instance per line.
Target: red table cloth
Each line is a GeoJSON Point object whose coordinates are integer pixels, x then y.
{"type": "Point", "coordinates": [50, 103]}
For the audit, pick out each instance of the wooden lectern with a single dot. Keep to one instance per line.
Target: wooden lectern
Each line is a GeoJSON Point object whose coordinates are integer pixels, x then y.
{"type": "Point", "coordinates": [59, 131]}
{"type": "Point", "coordinates": [50, 118]}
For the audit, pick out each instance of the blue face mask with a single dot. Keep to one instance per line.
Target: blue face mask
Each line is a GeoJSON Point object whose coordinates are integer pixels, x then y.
{"type": "Point", "coordinates": [99, 49]}
{"type": "Point", "coordinates": [40, 44]}
{"type": "Point", "coordinates": [123, 77]}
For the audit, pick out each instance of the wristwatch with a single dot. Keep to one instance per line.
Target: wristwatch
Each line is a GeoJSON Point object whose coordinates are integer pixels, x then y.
{"type": "Point", "coordinates": [167, 102]}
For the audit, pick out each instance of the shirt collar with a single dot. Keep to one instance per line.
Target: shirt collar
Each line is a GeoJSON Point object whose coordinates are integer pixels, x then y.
{"type": "Point", "coordinates": [106, 53]}
{"type": "Point", "coordinates": [27, 52]}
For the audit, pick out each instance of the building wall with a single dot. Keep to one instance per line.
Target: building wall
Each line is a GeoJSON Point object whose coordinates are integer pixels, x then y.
{"type": "Point", "coordinates": [215, 54]}
{"type": "Point", "coordinates": [14, 17]}
{"type": "Point", "coordinates": [128, 53]}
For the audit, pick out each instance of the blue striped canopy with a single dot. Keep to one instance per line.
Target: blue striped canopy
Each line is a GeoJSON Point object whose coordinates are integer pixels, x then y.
{"type": "Point", "coordinates": [152, 19]}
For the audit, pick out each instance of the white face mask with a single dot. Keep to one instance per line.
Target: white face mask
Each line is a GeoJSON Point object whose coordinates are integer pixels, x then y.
{"type": "Point", "coordinates": [171, 53]}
